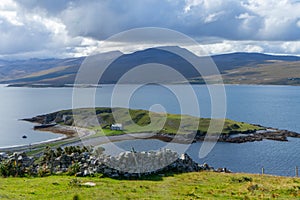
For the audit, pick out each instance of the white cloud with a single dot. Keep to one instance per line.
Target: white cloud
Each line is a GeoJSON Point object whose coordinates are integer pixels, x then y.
{"type": "Point", "coordinates": [279, 18]}
{"type": "Point", "coordinates": [24, 33]}
{"type": "Point", "coordinates": [8, 12]}
{"type": "Point", "coordinates": [228, 46]}
{"type": "Point", "coordinates": [291, 47]}
{"type": "Point", "coordinates": [213, 17]}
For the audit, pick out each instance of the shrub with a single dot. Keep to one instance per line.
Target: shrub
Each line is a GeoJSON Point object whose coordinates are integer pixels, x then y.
{"type": "Point", "coordinates": [4, 170]}
{"type": "Point", "coordinates": [43, 171]}
{"type": "Point", "coordinates": [75, 182]}
{"type": "Point", "coordinates": [241, 179]}
{"type": "Point", "coordinates": [76, 197]}
{"type": "Point", "coordinates": [73, 169]}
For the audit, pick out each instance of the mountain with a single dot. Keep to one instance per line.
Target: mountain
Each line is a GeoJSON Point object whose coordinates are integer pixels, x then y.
{"type": "Point", "coordinates": [243, 68]}
{"type": "Point", "coordinates": [237, 60]}
{"type": "Point", "coordinates": [163, 56]}
{"type": "Point", "coordinates": [256, 68]}
{"type": "Point", "coordinates": [37, 70]}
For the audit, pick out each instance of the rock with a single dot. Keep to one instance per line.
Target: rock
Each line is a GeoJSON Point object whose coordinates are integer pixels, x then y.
{"type": "Point", "coordinates": [114, 175]}
{"type": "Point", "coordinates": [79, 174]}
{"type": "Point", "coordinates": [129, 165]}
{"type": "Point", "coordinates": [89, 184]}
{"type": "Point", "coordinates": [88, 172]}
{"type": "Point", "coordinates": [3, 156]}
{"type": "Point", "coordinates": [224, 170]}
{"type": "Point", "coordinates": [107, 171]}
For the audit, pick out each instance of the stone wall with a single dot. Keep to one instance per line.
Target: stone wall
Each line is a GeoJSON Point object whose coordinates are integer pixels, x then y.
{"type": "Point", "coordinates": [141, 162]}
{"type": "Point", "coordinates": [125, 165]}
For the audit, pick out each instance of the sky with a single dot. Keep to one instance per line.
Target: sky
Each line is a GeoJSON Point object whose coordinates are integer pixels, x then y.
{"type": "Point", "coordinates": [62, 28]}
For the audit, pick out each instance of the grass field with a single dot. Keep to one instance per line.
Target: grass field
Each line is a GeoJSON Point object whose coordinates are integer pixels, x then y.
{"type": "Point", "coordinates": [135, 121]}
{"type": "Point", "coordinates": [198, 185]}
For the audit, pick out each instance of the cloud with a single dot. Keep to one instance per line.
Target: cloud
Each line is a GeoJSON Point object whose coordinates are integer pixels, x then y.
{"type": "Point", "coordinates": [14, 32]}
{"type": "Point", "coordinates": [279, 19]}
{"type": "Point", "coordinates": [101, 19]}
{"type": "Point", "coordinates": [33, 34]}
{"type": "Point", "coordinates": [77, 27]}
{"type": "Point", "coordinates": [53, 7]}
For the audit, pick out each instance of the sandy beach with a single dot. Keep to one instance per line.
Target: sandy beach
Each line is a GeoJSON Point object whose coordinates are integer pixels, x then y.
{"type": "Point", "coordinates": [69, 135]}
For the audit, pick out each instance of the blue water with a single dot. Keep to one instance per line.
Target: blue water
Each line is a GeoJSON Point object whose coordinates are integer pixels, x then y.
{"type": "Point", "coordinates": [274, 106]}
{"type": "Point", "coordinates": [18, 103]}
{"type": "Point", "coordinates": [277, 158]}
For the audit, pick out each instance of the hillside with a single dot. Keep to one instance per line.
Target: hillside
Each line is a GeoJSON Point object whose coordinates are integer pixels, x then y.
{"type": "Point", "coordinates": [237, 60]}
{"type": "Point", "coordinates": [236, 68]}
{"type": "Point", "coordinates": [198, 185]}
{"type": "Point", "coordinates": [36, 70]}
{"type": "Point", "coordinates": [275, 73]}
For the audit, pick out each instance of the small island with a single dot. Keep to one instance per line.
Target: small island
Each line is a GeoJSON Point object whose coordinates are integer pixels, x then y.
{"type": "Point", "coordinates": [175, 128]}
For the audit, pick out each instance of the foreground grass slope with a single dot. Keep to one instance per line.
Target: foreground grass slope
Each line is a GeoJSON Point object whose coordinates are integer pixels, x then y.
{"type": "Point", "coordinates": [201, 185]}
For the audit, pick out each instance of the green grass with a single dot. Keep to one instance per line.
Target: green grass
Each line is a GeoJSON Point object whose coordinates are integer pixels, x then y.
{"type": "Point", "coordinates": [136, 121]}
{"type": "Point", "coordinates": [202, 185]}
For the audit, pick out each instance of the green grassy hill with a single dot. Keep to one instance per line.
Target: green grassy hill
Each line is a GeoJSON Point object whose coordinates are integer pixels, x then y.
{"type": "Point", "coordinates": [199, 185]}
{"type": "Point", "coordinates": [135, 121]}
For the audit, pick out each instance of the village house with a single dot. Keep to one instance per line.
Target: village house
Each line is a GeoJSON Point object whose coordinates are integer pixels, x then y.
{"type": "Point", "coordinates": [117, 127]}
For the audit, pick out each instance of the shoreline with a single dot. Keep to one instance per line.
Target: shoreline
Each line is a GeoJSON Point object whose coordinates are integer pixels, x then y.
{"type": "Point", "coordinates": [69, 134]}
{"type": "Point", "coordinates": [62, 122]}
{"type": "Point", "coordinates": [269, 134]}
{"type": "Point", "coordinates": [31, 144]}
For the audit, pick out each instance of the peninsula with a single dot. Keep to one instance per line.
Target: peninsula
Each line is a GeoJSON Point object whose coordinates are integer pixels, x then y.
{"type": "Point", "coordinates": [175, 128]}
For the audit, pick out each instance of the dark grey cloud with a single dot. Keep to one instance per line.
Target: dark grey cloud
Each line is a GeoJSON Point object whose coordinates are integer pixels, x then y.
{"type": "Point", "coordinates": [232, 19]}
{"type": "Point", "coordinates": [53, 7]}
{"type": "Point", "coordinates": [101, 19]}
{"type": "Point", "coordinates": [34, 25]}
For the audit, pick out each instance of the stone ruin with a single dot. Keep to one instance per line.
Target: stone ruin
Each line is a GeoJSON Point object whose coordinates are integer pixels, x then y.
{"type": "Point", "coordinates": [141, 162]}
{"type": "Point", "coordinates": [125, 165]}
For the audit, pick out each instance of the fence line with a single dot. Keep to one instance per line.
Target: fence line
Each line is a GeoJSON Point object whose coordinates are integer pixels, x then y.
{"type": "Point", "coordinates": [296, 172]}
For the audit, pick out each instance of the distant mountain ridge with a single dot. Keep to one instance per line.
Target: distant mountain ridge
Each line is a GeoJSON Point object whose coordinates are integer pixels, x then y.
{"type": "Point", "coordinates": [238, 59]}
{"type": "Point", "coordinates": [235, 67]}
{"type": "Point", "coordinates": [12, 71]}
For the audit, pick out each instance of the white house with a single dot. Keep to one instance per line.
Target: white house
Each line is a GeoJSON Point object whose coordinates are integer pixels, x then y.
{"type": "Point", "coordinates": [117, 127]}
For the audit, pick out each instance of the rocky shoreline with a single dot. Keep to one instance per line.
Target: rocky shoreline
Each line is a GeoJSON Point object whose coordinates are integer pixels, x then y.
{"type": "Point", "coordinates": [272, 134]}
{"type": "Point", "coordinates": [268, 134]}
